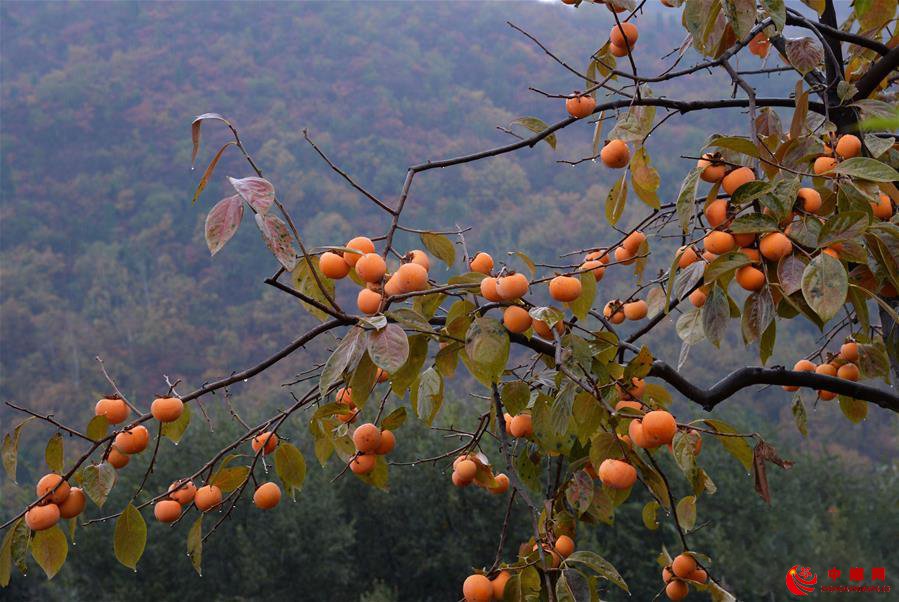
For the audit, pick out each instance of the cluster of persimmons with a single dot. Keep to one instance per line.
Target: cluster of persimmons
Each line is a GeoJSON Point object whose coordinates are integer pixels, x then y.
{"type": "Point", "coordinates": [841, 365]}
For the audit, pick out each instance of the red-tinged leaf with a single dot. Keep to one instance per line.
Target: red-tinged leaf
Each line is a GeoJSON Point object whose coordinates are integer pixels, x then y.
{"type": "Point", "coordinates": [257, 192]}
{"type": "Point", "coordinates": [789, 273]}
{"type": "Point", "coordinates": [389, 348]}
{"type": "Point", "coordinates": [195, 131]}
{"type": "Point", "coordinates": [278, 240]}
{"type": "Point", "coordinates": [209, 169]}
{"type": "Point", "coordinates": [222, 222]}
{"type": "Point", "coordinates": [804, 53]}
{"type": "Point", "coordinates": [580, 492]}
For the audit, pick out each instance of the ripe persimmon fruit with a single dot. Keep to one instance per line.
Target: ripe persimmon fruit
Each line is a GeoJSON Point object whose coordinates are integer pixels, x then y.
{"type": "Point", "coordinates": [683, 565]}
{"type": "Point", "coordinates": [633, 241]}
{"type": "Point", "coordinates": [677, 590]}
{"type": "Point", "coordinates": [716, 213]}
{"type": "Point", "coordinates": [634, 391]}
{"type": "Point", "coordinates": [617, 474]}
{"type": "Point", "coordinates": [744, 240]}
{"type": "Point", "coordinates": [207, 497]}
{"type": "Point", "coordinates": [659, 426]}
{"type": "Point", "coordinates": [459, 481]}
{"type": "Point", "coordinates": [74, 504]}
{"type": "Point", "coordinates": [848, 371]}
{"type": "Point", "coordinates": [344, 395]}
{"type": "Point", "coordinates": [477, 588]}
{"type": "Point", "coordinates": [488, 289]}
{"type": "Point", "coordinates": [512, 286]}
{"type": "Point", "coordinates": [411, 277]}
{"type": "Point", "coordinates": [686, 256]}
{"type": "Point", "coordinates": [600, 255]}
{"type": "Point", "coordinates": [368, 301]}
{"type": "Point", "coordinates": [367, 438]}
{"type": "Point", "coordinates": [267, 496]}
{"type": "Point", "coordinates": [712, 170]}
{"type": "Point", "coordinates": [617, 50]}
{"type": "Point", "coordinates": [268, 439]}
{"type": "Point", "coordinates": [823, 165]}
{"type": "Point", "coordinates": [41, 518]}
{"type": "Point", "coordinates": [517, 319]}
{"type": "Point", "coordinates": [775, 246]}
{"type": "Point", "coordinates": [564, 546]}
{"type": "Point", "coordinates": [624, 256]}
{"type": "Point", "coordinates": [699, 575]}
{"type": "Point", "coordinates": [848, 146]}
{"type": "Point", "coordinates": [421, 258]}
{"type": "Point", "coordinates": [47, 483]}
{"type": "Point", "coordinates": [502, 484]}
{"type": "Point", "coordinates": [363, 463]}
{"type": "Point", "coordinates": [883, 209]}
{"type": "Point", "coordinates": [615, 154]}
{"type": "Point", "coordinates": [335, 266]}
{"type": "Point", "coordinates": [482, 263]}
{"type": "Point", "coordinates": [388, 442]}
{"type": "Point", "coordinates": [750, 278]}
{"type": "Point", "coordinates": [627, 403]}
{"type": "Point", "coordinates": [580, 106]}
{"type": "Point", "coordinates": [133, 440]}
{"type": "Point", "coordinates": [718, 242]}
{"type": "Point", "coordinates": [849, 351]}
{"type": "Point", "coordinates": [800, 366]}
{"type": "Point", "coordinates": [371, 267]}
{"type": "Point", "coordinates": [117, 459]}
{"type": "Point", "coordinates": [636, 310]}
{"type": "Point", "coordinates": [698, 298]}
{"type": "Point", "coordinates": [114, 408]}
{"type": "Point", "coordinates": [810, 199]}
{"type": "Point", "coordinates": [624, 34]}
{"type": "Point", "coordinates": [360, 243]}
{"type": "Point", "coordinates": [466, 470]}
{"type": "Point", "coordinates": [521, 426]}
{"type": "Point", "coordinates": [612, 312]}
{"type": "Point", "coordinates": [593, 266]}
{"type": "Point", "coordinates": [167, 511]}
{"type": "Point", "coordinates": [737, 178]}
{"type": "Point", "coordinates": [183, 492]}
{"type": "Point", "coordinates": [543, 331]}
{"type": "Point", "coordinates": [499, 584]}
{"type": "Point", "coordinates": [565, 288]}
{"type": "Point", "coordinates": [166, 409]}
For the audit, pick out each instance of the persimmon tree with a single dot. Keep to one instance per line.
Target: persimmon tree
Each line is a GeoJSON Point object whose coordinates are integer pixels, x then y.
{"type": "Point", "coordinates": [775, 224]}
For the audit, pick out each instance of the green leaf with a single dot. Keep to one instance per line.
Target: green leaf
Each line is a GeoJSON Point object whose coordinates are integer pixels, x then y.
{"type": "Point", "coordinates": [579, 492]}
{"type": "Point", "coordinates": [195, 545]}
{"type": "Point", "coordinates": [754, 223]}
{"type": "Point", "coordinates": [739, 144]}
{"type": "Point", "coordinates": [427, 398]}
{"type": "Point", "coordinates": [724, 265]}
{"type": "Point", "coordinates": [13, 550]}
{"type": "Point", "coordinates": [486, 350]}
{"type": "Point", "coordinates": [345, 355]}
{"type": "Point", "coordinates": [854, 409]}
{"type": "Point", "coordinates": [389, 348]}
{"type": "Point", "coordinates": [408, 374]}
{"type": "Point", "coordinates": [97, 427]}
{"type": "Point", "coordinates": [528, 469]}
{"type": "Point", "coordinates": [537, 126]}
{"type": "Point", "coordinates": [303, 279]}
{"type": "Point", "coordinates": [572, 586]}
{"type": "Point", "coordinates": [394, 419]}
{"type": "Point", "coordinates": [686, 199]}
{"type": "Point", "coordinates": [740, 15]}
{"type": "Point", "coordinates": [440, 247]}
{"type": "Point", "coordinates": [130, 536]}
{"type": "Point", "coordinates": [616, 201]}
{"type": "Point", "coordinates": [97, 481]}
{"type": "Point", "coordinates": [866, 168]}
{"type": "Point", "coordinates": [523, 586]}
{"type": "Point", "coordinates": [686, 512]}
{"type": "Point", "coordinates": [644, 178]}
{"type": "Point", "coordinates": [650, 515]}
{"type": "Point", "coordinates": [515, 396]}
{"type": "Point", "coordinates": [582, 305]}
{"type": "Point", "coordinates": [736, 446]}
{"type": "Point", "coordinates": [53, 454]}
{"type": "Point", "coordinates": [600, 565]}
{"type": "Point", "coordinates": [10, 451]}
{"type": "Point", "coordinates": [406, 316]}
{"type": "Point", "coordinates": [799, 415]}
{"type": "Point", "coordinates": [715, 316]}
{"type": "Point", "coordinates": [842, 227]}
{"type": "Point", "coordinates": [777, 11]}
{"type": "Point", "coordinates": [824, 286]}
{"type": "Point", "coordinates": [175, 430]}
{"type": "Point", "coordinates": [363, 380]}
{"type": "Point", "coordinates": [229, 478]}
{"type": "Point", "coordinates": [290, 466]}
{"type": "Point", "coordinates": [49, 549]}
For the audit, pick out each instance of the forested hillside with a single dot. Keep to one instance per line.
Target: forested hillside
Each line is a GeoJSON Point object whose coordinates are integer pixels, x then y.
{"type": "Point", "coordinates": [102, 253]}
